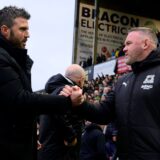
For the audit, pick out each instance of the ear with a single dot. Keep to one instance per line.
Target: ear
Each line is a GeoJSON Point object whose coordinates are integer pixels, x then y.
{"type": "Point", "coordinates": [146, 43]}
{"type": "Point", "coordinates": [5, 31]}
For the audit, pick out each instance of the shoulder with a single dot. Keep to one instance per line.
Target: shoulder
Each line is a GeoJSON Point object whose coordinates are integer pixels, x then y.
{"type": "Point", "coordinates": [4, 57]}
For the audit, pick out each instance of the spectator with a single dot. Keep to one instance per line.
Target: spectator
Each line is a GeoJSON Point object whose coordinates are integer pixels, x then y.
{"type": "Point", "coordinates": [89, 61]}
{"type": "Point", "coordinates": [111, 138]}
{"type": "Point", "coordinates": [93, 143]}
{"type": "Point", "coordinates": [113, 53]}
{"type": "Point", "coordinates": [106, 90]}
{"type": "Point", "coordinates": [98, 59]}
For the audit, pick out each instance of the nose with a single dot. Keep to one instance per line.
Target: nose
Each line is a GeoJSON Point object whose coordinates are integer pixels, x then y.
{"type": "Point", "coordinates": [124, 49]}
{"type": "Point", "coordinates": [27, 35]}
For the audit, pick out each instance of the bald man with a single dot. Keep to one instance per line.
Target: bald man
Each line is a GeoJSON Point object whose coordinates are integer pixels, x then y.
{"type": "Point", "coordinates": [60, 135]}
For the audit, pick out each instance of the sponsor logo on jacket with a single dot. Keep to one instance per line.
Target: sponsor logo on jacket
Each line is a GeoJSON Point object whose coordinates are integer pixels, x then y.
{"type": "Point", "coordinates": [148, 82]}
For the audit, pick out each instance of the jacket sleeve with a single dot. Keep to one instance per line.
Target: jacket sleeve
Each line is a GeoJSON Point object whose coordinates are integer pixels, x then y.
{"type": "Point", "coordinates": [14, 93]}
{"type": "Point", "coordinates": [102, 113]}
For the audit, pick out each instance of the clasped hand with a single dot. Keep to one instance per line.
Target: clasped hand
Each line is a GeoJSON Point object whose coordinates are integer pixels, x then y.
{"type": "Point", "coordinates": [75, 94]}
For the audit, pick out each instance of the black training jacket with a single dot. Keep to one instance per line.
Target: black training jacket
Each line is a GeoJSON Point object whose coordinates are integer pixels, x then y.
{"type": "Point", "coordinates": [135, 104]}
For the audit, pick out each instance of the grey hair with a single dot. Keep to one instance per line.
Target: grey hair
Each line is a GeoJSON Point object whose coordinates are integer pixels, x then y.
{"type": "Point", "coordinates": [148, 32]}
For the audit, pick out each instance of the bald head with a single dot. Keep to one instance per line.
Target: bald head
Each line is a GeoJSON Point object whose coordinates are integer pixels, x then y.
{"type": "Point", "coordinates": [76, 73]}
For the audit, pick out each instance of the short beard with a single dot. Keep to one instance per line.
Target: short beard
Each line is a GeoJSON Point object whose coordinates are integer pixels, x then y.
{"type": "Point", "coordinates": [12, 40]}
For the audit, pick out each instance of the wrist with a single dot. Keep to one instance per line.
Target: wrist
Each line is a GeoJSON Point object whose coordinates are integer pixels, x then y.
{"type": "Point", "coordinates": [82, 99]}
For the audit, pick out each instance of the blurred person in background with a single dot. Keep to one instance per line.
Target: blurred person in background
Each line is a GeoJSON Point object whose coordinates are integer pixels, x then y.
{"type": "Point", "coordinates": [93, 142]}
{"type": "Point", "coordinates": [60, 135]}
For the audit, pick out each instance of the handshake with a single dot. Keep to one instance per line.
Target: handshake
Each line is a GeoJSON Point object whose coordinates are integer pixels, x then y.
{"type": "Point", "coordinates": [75, 94]}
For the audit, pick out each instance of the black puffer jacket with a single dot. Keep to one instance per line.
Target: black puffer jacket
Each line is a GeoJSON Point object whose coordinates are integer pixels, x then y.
{"type": "Point", "coordinates": [54, 129]}
{"type": "Point", "coordinates": [19, 105]}
{"type": "Point", "coordinates": [135, 104]}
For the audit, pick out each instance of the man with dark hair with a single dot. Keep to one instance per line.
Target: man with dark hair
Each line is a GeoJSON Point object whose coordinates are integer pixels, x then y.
{"type": "Point", "coordinates": [19, 105]}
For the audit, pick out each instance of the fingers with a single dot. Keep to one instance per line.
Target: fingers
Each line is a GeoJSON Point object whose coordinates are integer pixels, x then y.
{"type": "Point", "coordinates": [66, 91]}
{"type": "Point", "coordinates": [63, 93]}
{"type": "Point", "coordinates": [67, 87]}
{"type": "Point", "coordinates": [75, 92]}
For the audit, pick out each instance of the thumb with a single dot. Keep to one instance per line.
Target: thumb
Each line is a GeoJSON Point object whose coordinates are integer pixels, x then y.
{"type": "Point", "coordinates": [75, 88]}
